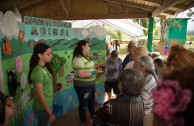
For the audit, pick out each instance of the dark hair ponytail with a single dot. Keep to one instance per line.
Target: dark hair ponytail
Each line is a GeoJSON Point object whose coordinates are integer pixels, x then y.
{"type": "Point", "coordinates": [38, 49]}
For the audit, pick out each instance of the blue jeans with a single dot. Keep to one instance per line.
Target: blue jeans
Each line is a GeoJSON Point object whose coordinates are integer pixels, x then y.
{"type": "Point", "coordinates": [86, 97]}
{"type": "Point", "coordinates": [41, 117]}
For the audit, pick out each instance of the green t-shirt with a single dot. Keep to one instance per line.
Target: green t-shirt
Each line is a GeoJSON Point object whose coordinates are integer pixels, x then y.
{"type": "Point", "coordinates": [43, 76]}
{"type": "Point", "coordinates": [82, 63]}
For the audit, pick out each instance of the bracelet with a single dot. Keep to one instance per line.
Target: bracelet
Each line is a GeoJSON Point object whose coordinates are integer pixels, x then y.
{"type": "Point", "coordinates": [93, 73]}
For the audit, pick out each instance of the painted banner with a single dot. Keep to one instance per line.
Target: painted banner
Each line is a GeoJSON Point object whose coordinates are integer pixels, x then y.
{"type": "Point", "coordinates": [45, 27]}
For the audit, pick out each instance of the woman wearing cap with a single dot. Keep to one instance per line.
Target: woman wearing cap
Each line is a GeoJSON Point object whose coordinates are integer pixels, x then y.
{"type": "Point", "coordinates": [113, 69]}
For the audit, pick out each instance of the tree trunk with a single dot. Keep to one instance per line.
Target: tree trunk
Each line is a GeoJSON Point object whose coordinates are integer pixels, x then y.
{"type": "Point", "coordinates": [61, 72]}
{"type": "Point", "coordinates": [162, 36]}
{"type": "Point", "coordinates": [163, 30]}
{"type": "Point", "coordinates": [55, 82]}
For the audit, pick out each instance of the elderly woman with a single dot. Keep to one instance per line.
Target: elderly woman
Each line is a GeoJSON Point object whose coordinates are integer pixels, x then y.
{"type": "Point", "coordinates": [139, 51]}
{"type": "Point", "coordinates": [127, 108]}
{"type": "Point", "coordinates": [145, 65]}
{"type": "Point", "coordinates": [177, 89]}
{"type": "Point", "coordinates": [130, 49]}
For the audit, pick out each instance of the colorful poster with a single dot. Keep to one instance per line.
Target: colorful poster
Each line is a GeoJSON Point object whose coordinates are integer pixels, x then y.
{"type": "Point", "coordinates": [65, 97]}
{"type": "Point", "coordinates": [1, 74]}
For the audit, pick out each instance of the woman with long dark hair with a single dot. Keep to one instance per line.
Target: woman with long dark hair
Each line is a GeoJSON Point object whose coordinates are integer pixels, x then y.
{"type": "Point", "coordinates": [40, 74]}
{"type": "Point", "coordinates": [84, 79]}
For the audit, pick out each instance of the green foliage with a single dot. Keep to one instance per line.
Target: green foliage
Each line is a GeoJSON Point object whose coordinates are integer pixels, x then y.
{"type": "Point", "coordinates": [110, 31]}
{"type": "Point", "coordinates": [155, 47]}
{"type": "Point", "coordinates": [156, 33]}
{"type": "Point", "coordinates": [143, 22]}
{"type": "Point", "coordinates": [57, 62]}
{"type": "Point", "coordinates": [190, 38]}
{"type": "Point", "coordinates": [174, 23]}
{"type": "Point", "coordinates": [118, 35]}
{"type": "Point", "coordinates": [145, 32]}
{"type": "Point", "coordinates": [142, 41]}
{"type": "Point", "coordinates": [190, 13]}
{"type": "Point", "coordinates": [122, 51]}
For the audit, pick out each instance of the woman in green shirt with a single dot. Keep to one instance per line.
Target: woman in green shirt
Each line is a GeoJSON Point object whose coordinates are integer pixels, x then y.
{"type": "Point", "coordinates": [40, 74]}
{"type": "Point", "coordinates": [84, 79]}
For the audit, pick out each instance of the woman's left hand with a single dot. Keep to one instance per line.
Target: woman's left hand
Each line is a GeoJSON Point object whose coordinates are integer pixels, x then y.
{"type": "Point", "coordinates": [52, 118]}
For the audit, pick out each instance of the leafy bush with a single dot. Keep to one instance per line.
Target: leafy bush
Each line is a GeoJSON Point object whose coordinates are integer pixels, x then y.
{"type": "Point", "coordinates": [142, 41]}
{"type": "Point", "coordinates": [57, 63]}
{"type": "Point", "coordinates": [190, 38]}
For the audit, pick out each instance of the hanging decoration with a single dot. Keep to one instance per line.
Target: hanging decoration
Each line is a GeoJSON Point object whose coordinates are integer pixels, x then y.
{"type": "Point", "coordinates": [23, 81]}
{"type": "Point", "coordinates": [7, 47]}
{"type": "Point", "coordinates": [12, 82]}
{"type": "Point", "coordinates": [59, 86]}
{"type": "Point", "coordinates": [18, 14]}
{"type": "Point", "coordinates": [69, 79]}
{"type": "Point", "coordinates": [21, 36]}
{"type": "Point", "coordinates": [18, 64]}
{"type": "Point", "coordinates": [9, 26]}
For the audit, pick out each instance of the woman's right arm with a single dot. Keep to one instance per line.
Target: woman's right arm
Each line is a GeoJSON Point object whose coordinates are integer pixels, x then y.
{"type": "Point", "coordinates": [83, 74]}
{"type": "Point", "coordinates": [41, 99]}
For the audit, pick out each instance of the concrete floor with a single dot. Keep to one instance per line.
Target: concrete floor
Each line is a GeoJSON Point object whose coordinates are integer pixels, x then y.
{"type": "Point", "coordinates": [71, 118]}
